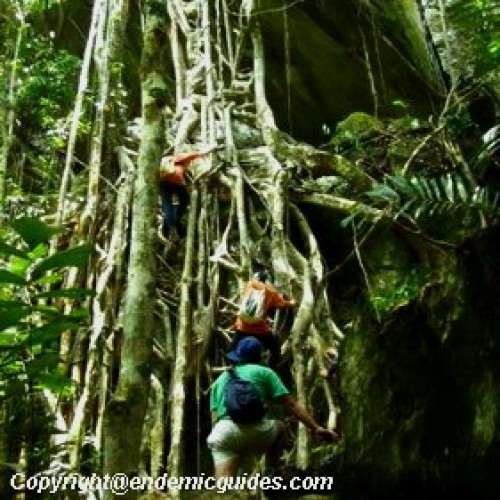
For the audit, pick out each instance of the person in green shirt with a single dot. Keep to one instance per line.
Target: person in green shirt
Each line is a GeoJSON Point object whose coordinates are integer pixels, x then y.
{"type": "Point", "coordinates": [238, 445]}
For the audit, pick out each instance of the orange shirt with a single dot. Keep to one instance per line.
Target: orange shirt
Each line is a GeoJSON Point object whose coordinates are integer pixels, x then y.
{"type": "Point", "coordinates": [272, 299]}
{"type": "Point", "coordinates": [176, 177]}
{"type": "Point", "coordinates": [181, 162]}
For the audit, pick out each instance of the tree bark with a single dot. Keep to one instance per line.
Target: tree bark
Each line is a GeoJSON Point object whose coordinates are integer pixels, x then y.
{"type": "Point", "coordinates": [175, 458]}
{"type": "Point", "coordinates": [97, 13]}
{"type": "Point", "coordinates": [125, 412]}
{"type": "Point", "coordinates": [7, 112]}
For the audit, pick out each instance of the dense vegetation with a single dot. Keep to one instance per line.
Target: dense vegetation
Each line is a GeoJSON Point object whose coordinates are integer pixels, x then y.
{"type": "Point", "coordinates": [374, 197]}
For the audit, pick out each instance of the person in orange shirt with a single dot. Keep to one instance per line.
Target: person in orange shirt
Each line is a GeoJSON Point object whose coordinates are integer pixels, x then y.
{"type": "Point", "coordinates": [262, 330]}
{"type": "Point", "coordinates": [173, 190]}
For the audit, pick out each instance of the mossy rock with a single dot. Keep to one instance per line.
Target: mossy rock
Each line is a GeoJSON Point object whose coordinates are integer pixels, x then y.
{"type": "Point", "coordinates": [359, 123]}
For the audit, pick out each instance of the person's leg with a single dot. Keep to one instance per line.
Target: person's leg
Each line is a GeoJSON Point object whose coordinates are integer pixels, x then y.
{"type": "Point", "coordinates": [227, 468]}
{"type": "Point", "coordinates": [183, 198]}
{"type": "Point", "coordinates": [169, 211]}
{"type": "Point", "coordinates": [275, 451]}
{"type": "Point", "coordinates": [249, 443]}
{"type": "Point", "coordinates": [223, 441]}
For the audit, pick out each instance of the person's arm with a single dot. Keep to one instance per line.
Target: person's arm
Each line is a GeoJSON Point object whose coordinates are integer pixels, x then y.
{"type": "Point", "coordinates": [283, 302]}
{"type": "Point", "coordinates": [185, 159]}
{"type": "Point", "coordinates": [214, 393]}
{"type": "Point", "coordinates": [277, 299]}
{"type": "Point", "coordinates": [300, 413]}
{"type": "Point", "coordinates": [213, 413]}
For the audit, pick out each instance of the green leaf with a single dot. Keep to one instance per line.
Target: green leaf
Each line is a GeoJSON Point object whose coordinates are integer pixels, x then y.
{"type": "Point", "coordinates": [494, 47]}
{"type": "Point", "coordinates": [39, 251]}
{"type": "Point", "coordinates": [425, 183]}
{"type": "Point", "coordinates": [347, 220]}
{"type": "Point", "coordinates": [74, 257]}
{"type": "Point", "coordinates": [384, 192]}
{"type": "Point", "coordinates": [50, 331]}
{"type": "Point", "coordinates": [12, 316]}
{"type": "Point", "coordinates": [49, 279]}
{"type": "Point", "coordinates": [56, 383]}
{"type": "Point", "coordinates": [462, 190]}
{"type": "Point", "coordinates": [54, 314]}
{"type": "Point", "coordinates": [6, 249]}
{"type": "Point", "coordinates": [19, 266]}
{"type": "Point", "coordinates": [33, 231]}
{"type": "Point", "coordinates": [47, 310]}
{"type": "Point", "coordinates": [7, 304]}
{"type": "Point", "coordinates": [42, 363]}
{"type": "Point", "coordinates": [435, 188]}
{"type": "Point", "coordinates": [401, 185]}
{"type": "Point", "coordinates": [78, 313]}
{"type": "Point", "coordinates": [72, 293]}
{"type": "Point", "coordinates": [8, 340]}
{"type": "Point", "coordinates": [449, 187]}
{"type": "Point", "coordinates": [400, 103]}
{"type": "Point", "coordinates": [13, 279]}
{"type": "Point", "coordinates": [417, 188]}
{"type": "Point", "coordinates": [17, 386]}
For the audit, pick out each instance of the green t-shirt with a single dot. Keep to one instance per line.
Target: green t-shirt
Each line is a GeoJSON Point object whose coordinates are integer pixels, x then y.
{"type": "Point", "coordinates": [265, 380]}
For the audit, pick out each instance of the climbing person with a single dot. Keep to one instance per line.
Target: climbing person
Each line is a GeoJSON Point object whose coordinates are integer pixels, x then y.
{"type": "Point", "coordinates": [242, 431]}
{"type": "Point", "coordinates": [173, 191]}
{"type": "Point", "coordinates": [257, 298]}
{"type": "Point", "coordinates": [332, 362]}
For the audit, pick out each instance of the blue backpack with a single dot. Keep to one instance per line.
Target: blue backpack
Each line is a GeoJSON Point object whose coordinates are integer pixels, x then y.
{"type": "Point", "coordinates": [243, 402]}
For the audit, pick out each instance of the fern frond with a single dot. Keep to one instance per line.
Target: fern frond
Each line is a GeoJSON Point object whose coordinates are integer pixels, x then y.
{"type": "Point", "coordinates": [400, 185]}
{"type": "Point", "coordinates": [437, 196]}
{"type": "Point", "coordinates": [462, 191]}
{"type": "Point", "coordinates": [487, 151]}
{"type": "Point", "coordinates": [448, 187]}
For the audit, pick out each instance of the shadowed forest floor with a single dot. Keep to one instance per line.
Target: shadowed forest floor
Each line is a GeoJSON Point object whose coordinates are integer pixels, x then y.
{"type": "Point", "coordinates": [256, 494]}
{"type": "Point", "coordinates": [236, 495]}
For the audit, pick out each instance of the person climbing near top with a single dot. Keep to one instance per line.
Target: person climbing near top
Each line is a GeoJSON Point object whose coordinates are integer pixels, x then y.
{"type": "Point", "coordinates": [172, 186]}
{"type": "Point", "coordinates": [257, 298]}
{"type": "Point", "coordinates": [242, 431]}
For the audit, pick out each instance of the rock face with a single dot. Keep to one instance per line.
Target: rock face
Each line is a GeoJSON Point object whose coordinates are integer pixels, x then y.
{"type": "Point", "coordinates": [420, 385]}
{"type": "Point", "coordinates": [345, 55]}
{"type": "Point", "coordinates": [324, 59]}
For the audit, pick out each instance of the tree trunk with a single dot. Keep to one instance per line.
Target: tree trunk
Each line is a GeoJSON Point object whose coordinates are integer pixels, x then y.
{"type": "Point", "coordinates": [99, 10]}
{"type": "Point", "coordinates": [175, 466]}
{"type": "Point", "coordinates": [7, 112]}
{"type": "Point", "coordinates": [126, 410]}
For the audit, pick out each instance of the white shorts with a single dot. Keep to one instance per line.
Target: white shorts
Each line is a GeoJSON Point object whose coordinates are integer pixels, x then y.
{"type": "Point", "coordinates": [228, 440]}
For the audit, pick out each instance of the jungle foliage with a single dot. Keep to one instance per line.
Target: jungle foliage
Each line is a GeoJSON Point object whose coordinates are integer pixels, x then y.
{"type": "Point", "coordinates": [32, 306]}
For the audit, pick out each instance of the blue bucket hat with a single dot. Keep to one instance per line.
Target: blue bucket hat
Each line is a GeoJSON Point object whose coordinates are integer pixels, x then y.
{"type": "Point", "coordinates": [263, 276]}
{"type": "Point", "coordinates": [248, 350]}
